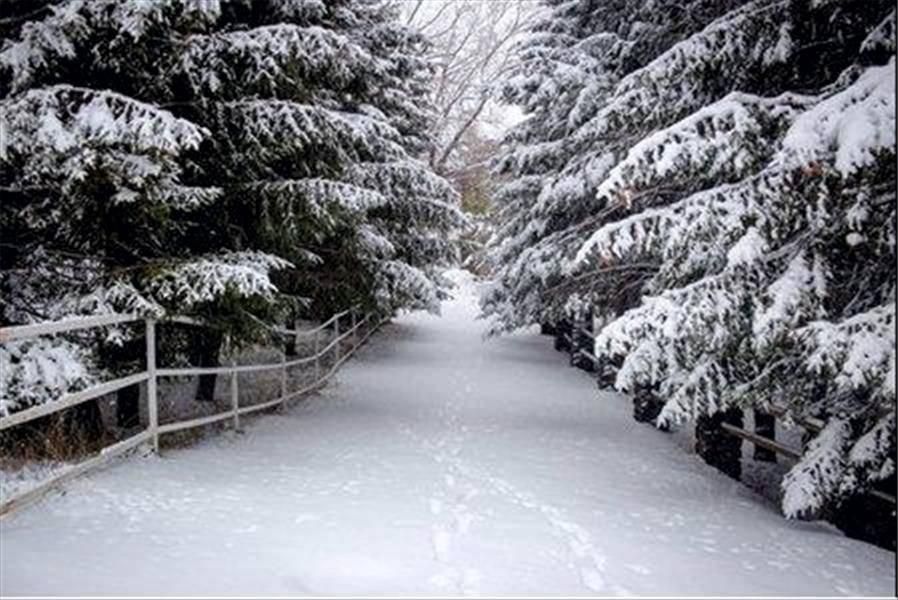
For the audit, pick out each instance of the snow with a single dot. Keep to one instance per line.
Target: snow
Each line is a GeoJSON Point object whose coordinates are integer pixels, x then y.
{"type": "Point", "coordinates": [857, 350]}
{"type": "Point", "coordinates": [855, 125]}
{"type": "Point", "coordinates": [254, 58]}
{"type": "Point", "coordinates": [204, 279]}
{"type": "Point", "coordinates": [748, 249]}
{"type": "Point", "coordinates": [39, 370]}
{"type": "Point", "coordinates": [817, 477]}
{"type": "Point", "coordinates": [716, 142]}
{"type": "Point", "coordinates": [786, 297]}
{"type": "Point", "coordinates": [97, 118]}
{"type": "Point", "coordinates": [437, 463]}
{"type": "Point", "coordinates": [676, 81]}
{"type": "Point", "coordinates": [882, 37]}
{"type": "Point", "coordinates": [17, 479]}
{"type": "Point", "coordinates": [871, 444]}
{"type": "Point", "coordinates": [318, 193]}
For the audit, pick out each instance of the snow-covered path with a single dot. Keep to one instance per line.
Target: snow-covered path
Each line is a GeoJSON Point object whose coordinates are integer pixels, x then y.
{"type": "Point", "coordinates": [436, 464]}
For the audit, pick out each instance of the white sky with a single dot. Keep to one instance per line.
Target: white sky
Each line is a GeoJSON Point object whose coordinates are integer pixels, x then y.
{"type": "Point", "coordinates": [508, 115]}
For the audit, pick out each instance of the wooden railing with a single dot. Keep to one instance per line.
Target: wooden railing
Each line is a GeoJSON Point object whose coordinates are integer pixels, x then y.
{"type": "Point", "coordinates": [341, 345]}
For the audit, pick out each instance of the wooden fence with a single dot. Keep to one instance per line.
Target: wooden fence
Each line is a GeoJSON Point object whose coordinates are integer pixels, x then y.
{"type": "Point", "coordinates": [339, 344]}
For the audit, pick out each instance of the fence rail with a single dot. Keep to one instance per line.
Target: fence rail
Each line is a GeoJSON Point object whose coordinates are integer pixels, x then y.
{"type": "Point", "coordinates": [72, 399]}
{"type": "Point", "coordinates": [19, 332]}
{"type": "Point", "coordinates": [342, 346]}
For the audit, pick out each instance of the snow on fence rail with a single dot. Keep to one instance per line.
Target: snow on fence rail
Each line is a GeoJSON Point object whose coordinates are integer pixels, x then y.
{"type": "Point", "coordinates": [359, 329]}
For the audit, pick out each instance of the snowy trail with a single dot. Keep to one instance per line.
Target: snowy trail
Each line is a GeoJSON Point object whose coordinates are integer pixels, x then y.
{"type": "Point", "coordinates": [437, 464]}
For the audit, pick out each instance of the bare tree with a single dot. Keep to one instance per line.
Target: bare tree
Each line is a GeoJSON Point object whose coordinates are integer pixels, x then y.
{"type": "Point", "coordinates": [471, 41]}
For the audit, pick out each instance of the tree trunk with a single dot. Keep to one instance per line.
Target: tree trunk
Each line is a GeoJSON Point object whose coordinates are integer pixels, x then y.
{"type": "Point", "coordinates": [765, 426]}
{"type": "Point", "coordinates": [206, 351]}
{"type": "Point", "coordinates": [127, 407]}
{"type": "Point", "coordinates": [717, 447]}
{"type": "Point", "coordinates": [128, 357]}
{"type": "Point", "coordinates": [867, 518]}
{"type": "Point", "coordinates": [563, 335]}
{"type": "Point", "coordinates": [647, 406]}
{"type": "Point", "coordinates": [290, 348]}
{"type": "Point", "coordinates": [547, 329]}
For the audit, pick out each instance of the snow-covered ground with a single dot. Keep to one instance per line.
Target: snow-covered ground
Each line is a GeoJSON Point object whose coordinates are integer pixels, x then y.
{"type": "Point", "coordinates": [436, 463]}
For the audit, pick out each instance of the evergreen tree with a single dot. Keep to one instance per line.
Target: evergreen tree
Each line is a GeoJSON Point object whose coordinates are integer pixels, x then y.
{"type": "Point", "coordinates": [242, 161]}
{"type": "Point", "coordinates": [316, 119]}
{"type": "Point", "coordinates": [568, 68]}
{"type": "Point", "coordinates": [97, 204]}
{"type": "Point", "coordinates": [731, 210]}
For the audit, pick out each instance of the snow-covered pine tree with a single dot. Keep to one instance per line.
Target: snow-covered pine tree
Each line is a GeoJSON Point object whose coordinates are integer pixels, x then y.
{"type": "Point", "coordinates": [756, 195]}
{"type": "Point", "coordinates": [240, 138]}
{"type": "Point", "coordinates": [96, 202]}
{"type": "Point", "coordinates": [317, 114]}
{"type": "Point", "coordinates": [568, 68]}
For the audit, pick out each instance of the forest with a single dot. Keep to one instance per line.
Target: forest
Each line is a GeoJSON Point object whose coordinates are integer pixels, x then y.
{"type": "Point", "coordinates": [696, 198]}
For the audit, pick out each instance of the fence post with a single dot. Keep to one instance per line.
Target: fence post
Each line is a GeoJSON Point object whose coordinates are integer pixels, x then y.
{"type": "Point", "coordinates": [765, 426]}
{"type": "Point", "coordinates": [283, 379]}
{"type": "Point", "coordinates": [647, 405]}
{"type": "Point", "coordinates": [583, 346]}
{"type": "Point", "coordinates": [235, 392]}
{"type": "Point", "coordinates": [563, 330]}
{"type": "Point", "coordinates": [336, 341]}
{"type": "Point", "coordinates": [717, 447]}
{"type": "Point", "coordinates": [317, 358]}
{"type": "Point", "coordinates": [355, 333]}
{"type": "Point", "coordinates": [606, 371]}
{"type": "Point", "coordinates": [152, 392]}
